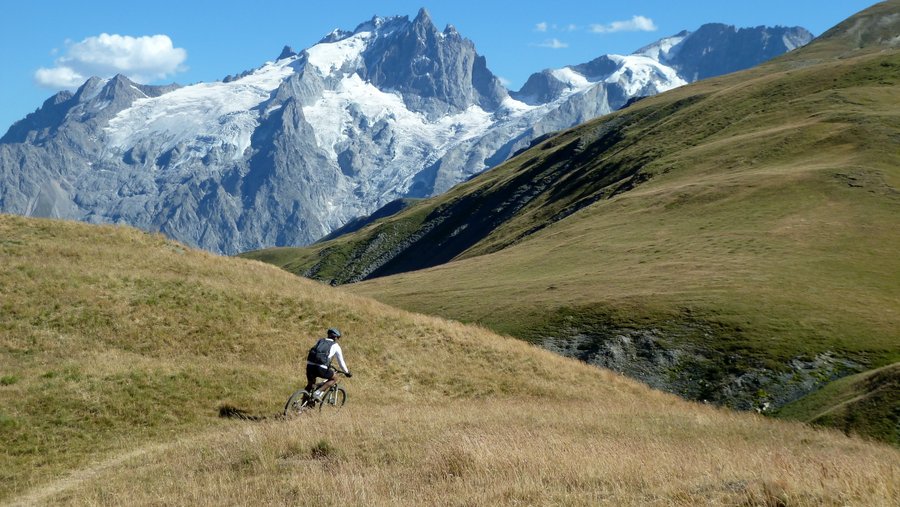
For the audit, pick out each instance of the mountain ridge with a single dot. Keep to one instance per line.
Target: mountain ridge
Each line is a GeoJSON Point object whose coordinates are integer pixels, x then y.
{"type": "Point", "coordinates": [288, 152]}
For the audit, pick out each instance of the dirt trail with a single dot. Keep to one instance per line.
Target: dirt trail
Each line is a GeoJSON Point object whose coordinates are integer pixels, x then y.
{"type": "Point", "coordinates": [42, 494]}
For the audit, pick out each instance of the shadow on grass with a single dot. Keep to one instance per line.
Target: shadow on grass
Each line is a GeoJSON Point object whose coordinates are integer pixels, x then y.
{"type": "Point", "coordinates": [231, 412]}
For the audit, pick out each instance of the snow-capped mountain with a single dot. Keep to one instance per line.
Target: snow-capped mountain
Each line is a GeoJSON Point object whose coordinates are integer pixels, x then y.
{"type": "Point", "coordinates": [287, 152]}
{"type": "Point", "coordinates": [716, 49]}
{"type": "Point", "coordinates": [607, 83]}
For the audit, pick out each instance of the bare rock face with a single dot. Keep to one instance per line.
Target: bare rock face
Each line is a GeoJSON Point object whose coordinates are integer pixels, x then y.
{"type": "Point", "coordinates": [437, 73]}
{"type": "Point", "coordinates": [699, 372]}
{"type": "Point", "coordinates": [287, 153]}
{"type": "Point", "coordinates": [716, 49]}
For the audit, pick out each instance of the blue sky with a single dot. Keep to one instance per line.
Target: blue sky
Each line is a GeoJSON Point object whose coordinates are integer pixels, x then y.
{"type": "Point", "coordinates": [46, 45]}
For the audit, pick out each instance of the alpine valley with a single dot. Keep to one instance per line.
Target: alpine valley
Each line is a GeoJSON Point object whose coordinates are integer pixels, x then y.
{"type": "Point", "coordinates": [733, 240]}
{"type": "Point", "coordinates": [286, 153]}
{"type": "Point", "coordinates": [725, 243]}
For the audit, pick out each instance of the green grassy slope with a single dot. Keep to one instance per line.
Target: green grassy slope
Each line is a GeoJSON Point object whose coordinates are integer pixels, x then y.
{"type": "Point", "coordinates": [118, 347]}
{"type": "Point", "coordinates": [752, 215]}
{"type": "Point", "coordinates": [763, 221]}
{"type": "Point", "coordinates": [872, 30]}
{"type": "Point", "coordinates": [866, 403]}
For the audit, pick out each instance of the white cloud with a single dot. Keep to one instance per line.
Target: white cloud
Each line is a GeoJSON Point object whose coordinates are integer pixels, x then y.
{"type": "Point", "coordinates": [505, 82]}
{"type": "Point", "coordinates": [541, 27]}
{"type": "Point", "coordinates": [635, 24]}
{"type": "Point", "coordinates": [59, 77]}
{"type": "Point", "coordinates": [553, 44]}
{"type": "Point", "coordinates": [142, 59]}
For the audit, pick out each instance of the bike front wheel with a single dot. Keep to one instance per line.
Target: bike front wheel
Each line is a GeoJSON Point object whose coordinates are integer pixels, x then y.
{"type": "Point", "coordinates": [297, 403]}
{"type": "Point", "coordinates": [334, 398]}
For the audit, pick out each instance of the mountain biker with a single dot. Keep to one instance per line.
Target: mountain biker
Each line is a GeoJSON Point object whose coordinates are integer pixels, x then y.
{"type": "Point", "coordinates": [318, 363]}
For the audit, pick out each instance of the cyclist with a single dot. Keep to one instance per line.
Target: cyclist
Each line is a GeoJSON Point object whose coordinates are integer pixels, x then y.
{"type": "Point", "coordinates": [318, 363]}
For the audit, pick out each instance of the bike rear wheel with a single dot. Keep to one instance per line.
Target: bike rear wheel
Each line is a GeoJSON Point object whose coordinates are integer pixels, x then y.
{"type": "Point", "coordinates": [297, 403]}
{"type": "Point", "coordinates": [334, 398]}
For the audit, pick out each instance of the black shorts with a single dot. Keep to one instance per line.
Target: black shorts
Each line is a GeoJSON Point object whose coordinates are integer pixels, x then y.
{"type": "Point", "coordinates": [314, 372]}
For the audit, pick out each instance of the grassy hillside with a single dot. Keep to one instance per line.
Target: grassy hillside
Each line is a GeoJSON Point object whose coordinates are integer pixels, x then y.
{"type": "Point", "coordinates": [744, 222]}
{"type": "Point", "coordinates": [117, 349]}
{"type": "Point", "coordinates": [865, 403]}
{"type": "Point", "coordinates": [872, 30]}
{"type": "Point", "coordinates": [766, 224]}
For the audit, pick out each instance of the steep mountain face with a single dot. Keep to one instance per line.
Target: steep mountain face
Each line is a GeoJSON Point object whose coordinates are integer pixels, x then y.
{"type": "Point", "coordinates": [716, 49]}
{"type": "Point", "coordinates": [607, 83]}
{"type": "Point", "coordinates": [292, 150]}
{"type": "Point", "coordinates": [437, 73]}
{"type": "Point", "coordinates": [50, 158]}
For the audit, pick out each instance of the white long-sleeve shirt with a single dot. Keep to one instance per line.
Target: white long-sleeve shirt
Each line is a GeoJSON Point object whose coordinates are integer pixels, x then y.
{"type": "Point", "coordinates": [334, 352]}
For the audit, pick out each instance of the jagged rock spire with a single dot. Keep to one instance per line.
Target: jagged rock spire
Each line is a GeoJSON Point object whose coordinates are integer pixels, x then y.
{"type": "Point", "coordinates": [423, 16]}
{"type": "Point", "coordinates": [287, 52]}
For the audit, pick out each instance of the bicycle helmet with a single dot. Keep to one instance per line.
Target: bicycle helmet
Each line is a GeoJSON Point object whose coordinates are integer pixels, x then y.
{"type": "Point", "coordinates": [333, 332]}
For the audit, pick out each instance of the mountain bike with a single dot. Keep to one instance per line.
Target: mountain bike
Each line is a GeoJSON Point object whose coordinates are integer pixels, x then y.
{"type": "Point", "coordinates": [302, 400]}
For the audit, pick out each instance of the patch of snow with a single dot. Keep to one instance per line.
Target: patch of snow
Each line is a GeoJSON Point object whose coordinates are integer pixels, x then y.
{"type": "Point", "coordinates": [662, 50]}
{"type": "Point", "coordinates": [328, 57]}
{"type": "Point", "coordinates": [333, 115]}
{"type": "Point", "coordinates": [638, 74]}
{"type": "Point", "coordinates": [138, 90]}
{"type": "Point", "coordinates": [511, 105]}
{"type": "Point", "coordinates": [99, 106]}
{"type": "Point", "coordinates": [200, 116]}
{"type": "Point", "coordinates": [571, 78]}
{"type": "Point", "coordinates": [272, 109]}
{"type": "Point", "coordinates": [336, 118]}
{"type": "Point", "coordinates": [791, 43]}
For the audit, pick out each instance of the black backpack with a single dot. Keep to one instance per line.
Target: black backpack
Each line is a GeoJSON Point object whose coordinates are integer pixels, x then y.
{"type": "Point", "coordinates": [318, 354]}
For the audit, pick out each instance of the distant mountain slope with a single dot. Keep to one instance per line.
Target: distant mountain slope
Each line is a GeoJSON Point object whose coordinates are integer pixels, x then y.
{"type": "Point", "coordinates": [287, 153]}
{"type": "Point", "coordinates": [119, 350]}
{"type": "Point", "coordinates": [716, 49]}
{"type": "Point", "coordinates": [875, 29]}
{"type": "Point", "coordinates": [700, 240]}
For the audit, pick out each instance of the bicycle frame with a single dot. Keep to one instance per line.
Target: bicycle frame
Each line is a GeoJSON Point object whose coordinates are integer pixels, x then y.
{"type": "Point", "coordinates": [303, 400]}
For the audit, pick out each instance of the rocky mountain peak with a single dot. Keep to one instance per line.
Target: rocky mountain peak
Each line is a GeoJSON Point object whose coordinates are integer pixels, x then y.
{"type": "Point", "coordinates": [712, 50]}
{"type": "Point", "coordinates": [119, 82]}
{"type": "Point", "coordinates": [436, 73]}
{"type": "Point", "coordinates": [716, 48]}
{"type": "Point", "coordinates": [378, 25]}
{"type": "Point", "coordinates": [35, 125]}
{"type": "Point", "coordinates": [287, 52]}
{"type": "Point", "coordinates": [541, 88]}
{"type": "Point", "coordinates": [423, 18]}
{"type": "Point", "coordinates": [117, 94]}
{"type": "Point", "coordinates": [90, 89]}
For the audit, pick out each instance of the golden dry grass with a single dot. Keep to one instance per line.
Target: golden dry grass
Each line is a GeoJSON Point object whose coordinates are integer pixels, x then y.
{"type": "Point", "coordinates": [119, 347]}
{"type": "Point", "coordinates": [554, 451]}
